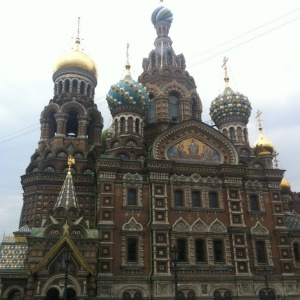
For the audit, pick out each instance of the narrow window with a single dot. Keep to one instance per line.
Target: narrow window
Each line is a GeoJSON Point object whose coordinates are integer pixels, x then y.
{"type": "Point", "coordinates": [74, 86]}
{"type": "Point", "coordinates": [72, 124]}
{"type": "Point", "coordinates": [174, 108]}
{"type": "Point", "coordinates": [181, 246]}
{"type": "Point", "coordinates": [232, 134]}
{"type": "Point", "coordinates": [178, 198]}
{"type": "Point", "coordinates": [196, 199]}
{"type": "Point", "coordinates": [169, 58]}
{"type": "Point", "coordinates": [122, 124]}
{"type": "Point", "coordinates": [137, 126]}
{"type": "Point", "coordinates": [153, 60]}
{"type": "Point", "coordinates": [132, 250]}
{"type": "Point", "coordinates": [151, 111]}
{"type": "Point", "coordinates": [260, 252]}
{"type": "Point", "coordinates": [82, 87]}
{"type": "Point", "coordinates": [297, 252]}
{"type": "Point", "coordinates": [200, 250]}
{"type": "Point", "coordinates": [218, 251]}
{"type": "Point", "coordinates": [213, 200]}
{"type": "Point", "coordinates": [59, 87]}
{"type": "Point", "coordinates": [131, 200]}
{"type": "Point", "coordinates": [254, 203]}
{"type": "Point", "coordinates": [67, 86]}
{"type": "Point", "coordinates": [194, 109]}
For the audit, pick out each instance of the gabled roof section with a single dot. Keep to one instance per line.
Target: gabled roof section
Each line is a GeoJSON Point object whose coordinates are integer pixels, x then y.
{"type": "Point", "coordinates": [65, 239]}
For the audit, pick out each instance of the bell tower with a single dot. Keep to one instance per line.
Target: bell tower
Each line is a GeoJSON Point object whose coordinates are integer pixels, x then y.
{"type": "Point", "coordinates": [71, 124]}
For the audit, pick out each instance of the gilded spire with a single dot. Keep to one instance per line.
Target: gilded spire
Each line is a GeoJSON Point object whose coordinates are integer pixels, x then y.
{"type": "Point", "coordinates": [127, 65]}
{"type": "Point", "coordinates": [224, 66]}
{"type": "Point", "coordinates": [67, 197]}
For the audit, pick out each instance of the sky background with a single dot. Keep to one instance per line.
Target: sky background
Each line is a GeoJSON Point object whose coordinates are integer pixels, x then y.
{"type": "Point", "coordinates": [260, 38]}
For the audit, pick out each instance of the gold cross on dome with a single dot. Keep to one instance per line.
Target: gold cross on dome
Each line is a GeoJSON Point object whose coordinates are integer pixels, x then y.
{"type": "Point", "coordinates": [258, 117]}
{"type": "Point", "coordinates": [224, 66]}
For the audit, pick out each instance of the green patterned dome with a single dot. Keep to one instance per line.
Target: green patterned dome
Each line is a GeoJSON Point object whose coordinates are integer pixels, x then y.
{"type": "Point", "coordinates": [230, 103]}
{"type": "Point", "coordinates": [127, 92]}
{"type": "Point", "coordinates": [161, 14]}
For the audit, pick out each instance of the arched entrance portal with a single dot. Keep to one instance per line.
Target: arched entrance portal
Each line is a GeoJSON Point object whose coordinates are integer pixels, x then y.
{"type": "Point", "coordinates": [71, 294]}
{"type": "Point", "coordinates": [53, 294]}
{"type": "Point", "coordinates": [14, 295]}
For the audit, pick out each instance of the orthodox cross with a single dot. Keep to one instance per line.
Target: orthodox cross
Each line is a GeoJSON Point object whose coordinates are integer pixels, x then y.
{"type": "Point", "coordinates": [78, 26]}
{"type": "Point", "coordinates": [224, 66]}
{"type": "Point", "coordinates": [127, 53]}
{"type": "Point", "coordinates": [258, 117]}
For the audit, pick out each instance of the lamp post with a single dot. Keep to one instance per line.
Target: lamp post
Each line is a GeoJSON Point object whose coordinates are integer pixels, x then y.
{"type": "Point", "coordinates": [67, 259]}
{"type": "Point", "coordinates": [174, 257]}
{"type": "Point", "coordinates": [265, 271]}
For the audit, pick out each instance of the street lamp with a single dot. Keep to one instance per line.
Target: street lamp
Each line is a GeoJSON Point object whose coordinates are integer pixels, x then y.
{"type": "Point", "coordinates": [67, 259]}
{"type": "Point", "coordinates": [174, 257]}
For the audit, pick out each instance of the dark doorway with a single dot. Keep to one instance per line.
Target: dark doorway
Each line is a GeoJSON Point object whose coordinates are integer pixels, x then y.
{"type": "Point", "coordinates": [53, 294]}
{"type": "Point", "coordinates": [71, 294]}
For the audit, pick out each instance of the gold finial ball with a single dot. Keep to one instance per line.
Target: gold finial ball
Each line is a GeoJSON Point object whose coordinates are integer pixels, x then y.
{"type": "Point", "coordinates": [76, 59]}
{"type": "Point", "coordinates": [285, 186]}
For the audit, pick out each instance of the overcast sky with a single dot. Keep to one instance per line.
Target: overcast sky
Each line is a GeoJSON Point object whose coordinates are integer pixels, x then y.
{"type": "Point", "coordinates": [260, 38]}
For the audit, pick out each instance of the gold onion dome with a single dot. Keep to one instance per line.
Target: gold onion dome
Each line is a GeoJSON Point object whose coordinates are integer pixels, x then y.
{"type": "Point", "coordinates": [285, 185]}
{"type": "Point", "coordinates": [76, 59]}
{"type": "Point", "coordinates": [263, 146]}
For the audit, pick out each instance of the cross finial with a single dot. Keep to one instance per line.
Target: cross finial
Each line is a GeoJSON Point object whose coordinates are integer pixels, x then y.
{"type": "Point", "coordinates": [127, 65]}
{"type": "Point", "coordinates": [127, 53]}
{"type": "Point", "coordinates": [161, 1]}
{"type": "Point", "coordinates": [78, 27]}
{"type": "Point", "coordinates": [224, 66]}
{"type": "Point", "coordinates": [258, 117]}
{"type": "Point", "coordinates": [275, 153]}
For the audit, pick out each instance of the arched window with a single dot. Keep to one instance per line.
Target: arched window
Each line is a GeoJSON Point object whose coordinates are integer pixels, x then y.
{"type": "Point", "coordinates": [52, 127]}
{"type": "Point", "coordinates": [88, 91]}
{"type": "Point", "coordinates": [67, 86]}
{"type": "Point", "coordinates": [194, 109]}
{"type": "Point", "coordinates": [296, 250]}
{"type": "Point", "coordinates": [137, 126]}
{"type": "Point", "coordinates": [169, 58]}
{"type": "Point", "coordinates": [245, 135]}
{"type": "Point", "coordinates": [151, 110]}
{"type": "Point", "coordinates": [126, 296]}
{"type": "Point", "coordinates": [213, 200]}
{"type": "Point", "coordinates": [82, 87]}
{"type": "Point", "coordinates": [74, 86]}
{"type": "Point", "coordinates": [232, 134]}
{"type": "Point", "coordinates": [59, 87]}
{"type": "Point", "coordinates": [72, 124]}
{"type": "Point", "coordinates": [52, 294]}
{"type": "Point", "coordinates": [122, 124]}
{"type": "Point", "coordinates": [153, 60]}
{"type": "Point", "coordinates": [130, 125]}
{"type": "Point", "coordinates": [174, 108]}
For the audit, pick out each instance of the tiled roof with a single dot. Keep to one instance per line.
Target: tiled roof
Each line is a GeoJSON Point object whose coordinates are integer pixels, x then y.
{"type": "Point", "coordinates": [13, 256]}
{"type": "Point", "coordinates": [292, 222]}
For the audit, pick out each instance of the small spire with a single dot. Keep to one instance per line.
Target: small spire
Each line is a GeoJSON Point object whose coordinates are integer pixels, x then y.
{"type": "Point", "coordinates": [275, 153]}
{"type": "Point", "coordinates": [127, 65]}
{"type": "Point", "coordinates": [161, 2]}
{"type": "Point", "coordinates": [224, 66]}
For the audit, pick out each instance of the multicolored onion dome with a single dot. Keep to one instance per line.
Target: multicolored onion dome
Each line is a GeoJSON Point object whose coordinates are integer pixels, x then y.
{"type": "Point", "coordinates": [263, 146]}
{"type": "Point", "coordinates": [161, 14]}
{"type": "Point", "coordinates": [76, 59]}
{"type": "Point", "coordinates": [230, 103]}
{"type": "Point", "coordinates": [127, 92]}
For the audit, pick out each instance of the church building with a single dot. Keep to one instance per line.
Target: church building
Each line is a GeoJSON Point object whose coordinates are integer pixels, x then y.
{"type": "Point", "coordinates": [160, 205]}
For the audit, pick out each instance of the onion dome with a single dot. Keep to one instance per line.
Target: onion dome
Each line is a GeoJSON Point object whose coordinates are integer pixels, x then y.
{"type": "Point", "coordinates": [76, 59]}
{"type": "Point", "coordinates": [127, 92]}
{"type": "Point", "coordinates": [262, 146]}
{"type": "Point", "coordinates": [230, 104]}
{"type": "Point", "coordinates": [161, 14]}
{"type": "Point", "coordinates": [285, 185]}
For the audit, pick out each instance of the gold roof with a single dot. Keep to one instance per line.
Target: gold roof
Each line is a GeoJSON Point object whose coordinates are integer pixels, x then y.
{"type": "Point", "coordinates": [285, 185]}
{"type": "Point", "coordinates": [76, 59]}
{"type": "Point", "coordinates": [263, 146]}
